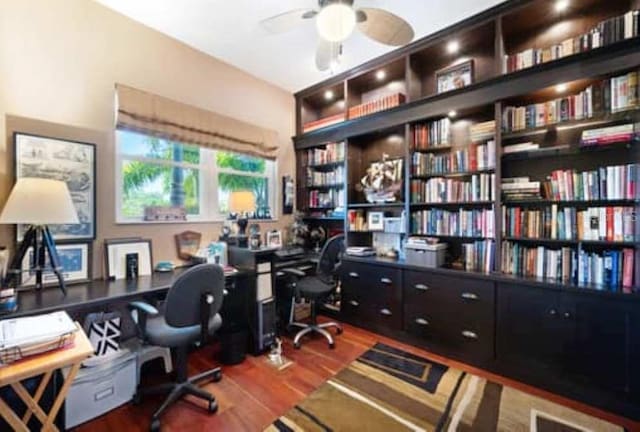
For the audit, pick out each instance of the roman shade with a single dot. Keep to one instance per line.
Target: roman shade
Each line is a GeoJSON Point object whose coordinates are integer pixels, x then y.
{"type": "Point", "coordinates": [151, 114]}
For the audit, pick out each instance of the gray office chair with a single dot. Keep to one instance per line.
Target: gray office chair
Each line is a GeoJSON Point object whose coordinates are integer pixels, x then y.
{"type": "Point", "coordinates": [194, 298]}
{"type": "Point", "coordinates": [317, 288]}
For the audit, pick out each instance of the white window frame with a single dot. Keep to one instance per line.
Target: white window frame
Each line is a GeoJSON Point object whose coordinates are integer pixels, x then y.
{"type": "Point", "coordinates": [208, 198]}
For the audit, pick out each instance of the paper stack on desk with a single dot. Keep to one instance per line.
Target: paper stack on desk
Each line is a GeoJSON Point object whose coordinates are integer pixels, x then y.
{"type": "Point", "coordinates": [21, 337]}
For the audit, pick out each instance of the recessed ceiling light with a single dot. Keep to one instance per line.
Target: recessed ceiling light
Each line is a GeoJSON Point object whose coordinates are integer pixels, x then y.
{"type": "Point", "coordinates": [453, 47]}
{"type": "Point", "coordinates": [328, 95]}
{"type": "Point", "coordinates": [561, 88]}
{"type": "Point", "coordinates": [562, 5]}
{"type": "Point", "coordinates": [380, 75]}
{"type": "Point", "coordinates": [452, 113]}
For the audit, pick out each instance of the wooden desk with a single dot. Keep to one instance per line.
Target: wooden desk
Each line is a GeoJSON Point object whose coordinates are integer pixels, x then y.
{"type": "Point", "coordinates": [46, 364]}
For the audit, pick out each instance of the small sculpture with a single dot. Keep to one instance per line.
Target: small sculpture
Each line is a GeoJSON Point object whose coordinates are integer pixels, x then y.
{"type": "Point", "coordinates": [383, 180]}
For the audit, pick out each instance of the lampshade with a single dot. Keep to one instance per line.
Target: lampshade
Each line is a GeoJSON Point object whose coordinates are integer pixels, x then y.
{"type": "Point", "coordinates": [336, 22]}
{"type": "Point", "coordinates": [242, 202]}
{"type": "Point", "coordinates": [39, 201]}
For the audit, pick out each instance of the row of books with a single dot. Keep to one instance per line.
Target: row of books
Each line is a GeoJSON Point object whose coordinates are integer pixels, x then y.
{"type": "Point", "coordinates": [332, 152]}
{"type": "Point", "coordinates": [432, 134]}
{"type": "Point", "coordinates": [482, 131]}
{"type": "Point", "coordinates": [472, 158]}
{"type": "Point", "coordinates": [329, 199]}
{"type": "Point", "coordinates": [377, 105]}
{"type": "Point", "coordinates": [325, 178]}
{"type": "Point", "coordinates": [480, 187]}
{"type": "Point", "coordinates": [610, 269]}
{"type": "Point", "coordinates": [323, 122]}
{"type": "Point", "coordinates": [611, 224]}
{"type": "Point", "coordinates": [460, 223]}
{"type": "Point", "coordinates": [609, 135]}
{"type": "Point", "coordinates": [606, 96]}
{"type": "Point", "coordinates": [357, 220]}
{"type": "Point", "coordinates": [606, 32]}
{"type": "Point", "coordinates": [479, 256]}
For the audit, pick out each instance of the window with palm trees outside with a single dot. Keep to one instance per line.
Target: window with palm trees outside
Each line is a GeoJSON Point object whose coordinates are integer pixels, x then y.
{"type": "Point", "coordinates": [153, 171]}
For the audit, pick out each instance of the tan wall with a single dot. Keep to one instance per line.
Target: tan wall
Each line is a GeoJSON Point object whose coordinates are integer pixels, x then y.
{"type": "Point", "coordinates": [59, 60]}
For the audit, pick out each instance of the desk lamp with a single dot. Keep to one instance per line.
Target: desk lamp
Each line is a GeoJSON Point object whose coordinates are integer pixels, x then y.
{"type": "Point", "coordinates": [38, 202]}
{"type": "Point", "coordinates": [241, 202]}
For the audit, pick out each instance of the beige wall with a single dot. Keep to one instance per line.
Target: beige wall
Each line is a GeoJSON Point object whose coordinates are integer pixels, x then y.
{"type": "Point", "coordinates": [59, 60]}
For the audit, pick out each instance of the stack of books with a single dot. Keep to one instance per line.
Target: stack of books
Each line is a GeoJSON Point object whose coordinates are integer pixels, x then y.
{"type": "Point", "coordinates": [520, 188]}
{"type": "Point", "coordinates": [323, 122]}
{"type": "Point", "coordinates": [610, 269]}
{"type": "Point", "coordinates": [325, 178]}
{"type": "Point", "coordinates": [482, 131]}
{"type": "Point", "coordinates": [329, 199]}
{"type": "Point", "coordinates": [377, 105]}
{"type": "Point", "coordinates": [606, 183]}
{"type": "Point", "coordinates": [472, 158]}
{"type": "Point", "coordinates": [447, 190]}
{"type": "Point", "coordinates": [460, 223]}
{"type": "Point", "coordinates": [609, 135]}
{"type": "Point", "coordinates": [606, 32]}
{"type": "Point", "coordinates": [520, 147]}
{"type": "Point", "coordinates": [479, 256]}
{"type": "Point", "coordinates": [357, 220]}
{"type": "Point", "coordinates": [611, 224]}
{"type": "Point", "coordinates": [606, 96]}
{"type": "Point", "coordinates": [432, 135]}
{"type": "Point", "coordinates": [333, 152]}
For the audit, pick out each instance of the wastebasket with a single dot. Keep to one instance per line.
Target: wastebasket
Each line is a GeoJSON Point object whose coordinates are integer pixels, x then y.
{"type": "Point", "coordinates": [233, 344]}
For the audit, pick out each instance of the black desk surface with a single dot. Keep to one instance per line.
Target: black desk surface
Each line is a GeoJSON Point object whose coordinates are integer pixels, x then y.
{"type": "Point", "coordinates": [97, 292]}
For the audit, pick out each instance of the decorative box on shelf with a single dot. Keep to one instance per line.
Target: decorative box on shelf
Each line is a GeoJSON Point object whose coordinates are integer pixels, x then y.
{"type": "Point", "coordinates": [165, 213]}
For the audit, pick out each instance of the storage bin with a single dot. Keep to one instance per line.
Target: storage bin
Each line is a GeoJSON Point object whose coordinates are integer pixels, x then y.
{"type": "Point", "coordinates": [426, 255]}
{"type": "Point", "coordinates": [99, 389]}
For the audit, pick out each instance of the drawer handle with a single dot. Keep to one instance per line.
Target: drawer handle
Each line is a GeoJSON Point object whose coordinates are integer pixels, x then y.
{"type": "Point", "coordinates": [354, 303]}
{"type": "Point", "coordinates": [421, 287]}
{"type": "Point", "coordinates": [469, 334]}
{"type": "Point", "coordinates": [386, 312]}
{"type": "Point", "coordinates": [567, 315]}
{"type": "Point", "coordinates": [553, 312]}
{"type": "Point", "coordinates": [469, 296]}
{"type": "Point", "coordinates": [422, 322]}
{"type": "Point", "coordinates": [385, 281]}
{"type": "Point", "coordinates": [354, 275]}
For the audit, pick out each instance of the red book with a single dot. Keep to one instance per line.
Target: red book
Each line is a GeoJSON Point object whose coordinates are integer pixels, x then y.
{"type": "Point", "coordinates": [609, 223]}
{"type": "Point", "coordinates": [627, 270]}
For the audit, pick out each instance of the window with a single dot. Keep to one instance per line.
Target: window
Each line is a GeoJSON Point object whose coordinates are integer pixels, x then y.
{"type": "Point", "coordinates": [157, 172]}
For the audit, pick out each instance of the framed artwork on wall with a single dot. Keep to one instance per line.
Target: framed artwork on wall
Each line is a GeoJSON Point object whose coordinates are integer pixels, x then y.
{"type": "Point", "coordinates": [454, 77]}
{"type": "Point", "coordinates": [71, 161]}
{"type": "Point", "coordinates": [75, 260]}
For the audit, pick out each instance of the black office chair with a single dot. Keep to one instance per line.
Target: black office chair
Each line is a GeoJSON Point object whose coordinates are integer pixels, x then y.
{"type": "Point", "coordinates": [194, 298]}
{"type": "Point", "coordinates": [317, 288]}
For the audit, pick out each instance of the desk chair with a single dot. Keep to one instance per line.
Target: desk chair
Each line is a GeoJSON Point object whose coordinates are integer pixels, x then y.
{"type": "Point", "coordinates": [194, 298]}
{"type": "Point", "coordinates": [317, 288]}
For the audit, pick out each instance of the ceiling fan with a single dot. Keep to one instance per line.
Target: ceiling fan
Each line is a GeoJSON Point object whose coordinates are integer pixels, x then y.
{"type": "Point", "coordinates": [336, 21]}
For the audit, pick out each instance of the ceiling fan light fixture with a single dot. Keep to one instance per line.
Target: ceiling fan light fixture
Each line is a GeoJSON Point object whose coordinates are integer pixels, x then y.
{"type": "Point", "coordinates": [336, 22]}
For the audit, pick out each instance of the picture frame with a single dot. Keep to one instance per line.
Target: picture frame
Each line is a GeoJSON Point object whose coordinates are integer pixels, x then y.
{"type": "Point", "coordinates": [455, 77]}
{"type": "Point", "coordinates": [188, 244]}
{"type": "Point", "coordinates": [375, 221]}
{"type": "Point", "coordinates": [274, 239]}
{"type": "Point", "coordinates": [75, 261]}
{"type": "Point", "coordinates": [61, 159]}
{"type": "Point", "coordinates": [288, 194]}
{"type": "Point", "coordinates": [115, 256]}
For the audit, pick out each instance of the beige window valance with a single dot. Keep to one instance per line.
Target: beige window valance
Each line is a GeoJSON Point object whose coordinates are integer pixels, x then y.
{"type": "Point", "coordinates": [155, 115]}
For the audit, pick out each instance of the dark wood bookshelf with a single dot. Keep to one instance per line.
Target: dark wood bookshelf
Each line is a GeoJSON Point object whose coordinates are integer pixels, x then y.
{"type": "Point", "coordinates": [453, 174]}
{"type": "Point", "coordinates": [452, 204]}
{"type": "Point", "coordinates": [375, 205]}
{"type": "Point", "coordinates": [328, 165]}
{"type": "Point", "coordinates": [571, 242]}
{"type": "Point", "coordinates": [324, 218]}
{"type": "Point", "coordinates": [435, 149]}
{"type": "Point", "coordinates": [327, 186]}
{"type": "Point", "coordinates": [574, 203]}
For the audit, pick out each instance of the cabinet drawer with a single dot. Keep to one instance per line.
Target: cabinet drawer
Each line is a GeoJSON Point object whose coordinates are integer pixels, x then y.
{"type": "Point", "coordinates": [371, 274]}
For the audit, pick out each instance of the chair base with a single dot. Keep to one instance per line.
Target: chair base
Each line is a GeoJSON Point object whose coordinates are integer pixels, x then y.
{"type": "Point", "coordinates": [315, 328]}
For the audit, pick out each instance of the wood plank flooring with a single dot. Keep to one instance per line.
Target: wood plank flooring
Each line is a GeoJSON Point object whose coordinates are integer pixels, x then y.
{"type": "Point", "coordinates": [251, 395]}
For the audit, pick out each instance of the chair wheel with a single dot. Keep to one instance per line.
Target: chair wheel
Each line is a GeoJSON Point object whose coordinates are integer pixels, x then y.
{"type": "Point", "coordinates": [137, 398]}
{"type": "Point", "coordinates": [155, 425]}
{"type": "Point", "coordinates": [339, 330]}
{"type": "Point", "coordinates": [332, 345]}
{"type": "Point", "coordinates": [213, 406]}
{"type": "Point", "coordinates": [217, 376]}
{"type": "Point", "coordinates": [296, 345]}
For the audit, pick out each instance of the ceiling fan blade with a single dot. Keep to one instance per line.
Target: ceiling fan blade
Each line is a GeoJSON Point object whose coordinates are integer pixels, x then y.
{"type": "Point", "coordinates": [326, 52]}
{"type": "Point", "coordinates": [384, 27]}
{"type": "Point", "coordinates": [286, 21]}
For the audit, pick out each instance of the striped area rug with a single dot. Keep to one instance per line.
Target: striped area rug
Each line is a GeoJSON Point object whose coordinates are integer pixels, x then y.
{"type": "Point", "coordinates": [387, 389]}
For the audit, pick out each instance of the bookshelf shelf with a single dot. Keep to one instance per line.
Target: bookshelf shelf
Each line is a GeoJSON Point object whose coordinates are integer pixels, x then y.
{"type": "Point", "coordinates": [436, 149]}
{"type": "Point", "coordinates": [324, 218]}
{"type": "Point", "coordinates": [571, 242]}
{"type": "Point", "coordinates": [576, 203]}
{"type": "Point", "coordinates": [328, 186]}
{"type": "Point", "coordinates": [375, 205]}
{"type": "Point", "coordinates": [326, 166]}
{"type": "Point", "coordinates": [452, 204]}
{"type": "Point", "coordinates": [453, 237]}
{"type": "Point", "coordinates": [453, 174]}
{"type": "Point", "coordinates": [566, 150]}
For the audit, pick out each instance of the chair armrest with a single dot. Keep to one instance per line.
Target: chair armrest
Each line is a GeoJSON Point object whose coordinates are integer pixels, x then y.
{"type": "Point", "coordinates": [143, 310]}
{"type": "Point", "coordinates": [293, 272]}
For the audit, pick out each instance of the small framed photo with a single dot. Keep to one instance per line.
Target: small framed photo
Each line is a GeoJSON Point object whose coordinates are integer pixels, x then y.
{"type": "Point", "coordinates": [75, 262]}
{"type": "Point", "coordinates": [274, 239]}
{"type": "Point", "coordinates": [454, 77]}
{"type": "Point", "coordinates": [188, 244]}
{"type": "Point", "coordinates": [375, 221]}
{"type": "Point", "coordinates": [127, 258]}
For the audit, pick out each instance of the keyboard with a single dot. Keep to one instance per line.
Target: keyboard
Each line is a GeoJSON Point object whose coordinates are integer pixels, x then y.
{"type": "Point", "coordinates": [290, 252]}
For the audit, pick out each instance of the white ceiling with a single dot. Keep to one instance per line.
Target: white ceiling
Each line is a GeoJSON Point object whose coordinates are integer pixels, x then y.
{"type": "Point", "coordinates": [229, 30]}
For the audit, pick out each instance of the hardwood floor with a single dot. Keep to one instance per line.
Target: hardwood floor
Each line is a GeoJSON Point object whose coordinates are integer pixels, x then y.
{"type": "Point", "coordinates": [252, 394]}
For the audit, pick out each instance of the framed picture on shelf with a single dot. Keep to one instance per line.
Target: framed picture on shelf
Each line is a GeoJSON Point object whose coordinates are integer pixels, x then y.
{"type": "Point", "coordinates": [274, 239]}
{"type": "Point", "coordinates": [75, 261]}
{"type": "Point", "coordinates": [454, 77]}
{"type": "Point", "coordinates": [119, 255]}
{"type": "Point", "coordinates": [71, 161]}
{"type": "Point", "coordinates": [375, 221]}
